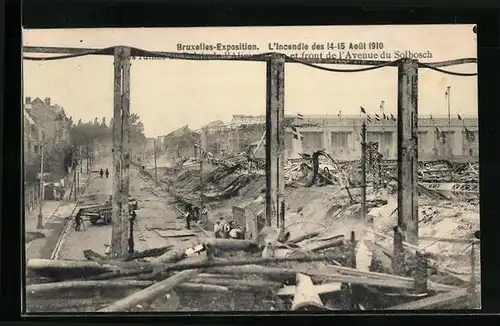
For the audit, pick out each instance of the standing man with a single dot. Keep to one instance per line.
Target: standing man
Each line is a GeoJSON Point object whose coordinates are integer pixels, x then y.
{"type": "Point", "coordinates": [101, 173]}
{"type": "Point", "coordinates": [107, 173]}
{"type": "Point", "coordinates": [217, 229]}
{"type": "Point", "coordinates": [78, 220]}
{"type": "Point", "coordinates": [189, 215]}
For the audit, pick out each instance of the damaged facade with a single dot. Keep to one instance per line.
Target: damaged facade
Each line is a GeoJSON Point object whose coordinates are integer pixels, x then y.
{"type": "Point", "coordinates": [340, 136]}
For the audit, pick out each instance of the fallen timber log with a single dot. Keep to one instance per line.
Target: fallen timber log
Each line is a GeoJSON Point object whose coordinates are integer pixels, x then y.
{"type": "Point", "coordinates": [66, 289]}
{"type": "Point", "coordinates": [105, 290]}
{"type": "Point", "coordinates": [238, 284]}
{"type": "Point", "coordinates": [336, 274]}
{"type": "Point", "coordinates": [433, 302]}
{"type": "Point", "coordinates": [153, 252]}
{"type": "Point", "coordinates": [150, 293]}
{"type": "Point", "coordinates": [71, 269]}
{"type": "Point", "coordinates": [306, 298]}
{"type": "Point", "coordinates": [179, 252]}
{"type": "Point", "coordinates": [158, 271]}
{"type": "Point", "coordinates": [301, 238]}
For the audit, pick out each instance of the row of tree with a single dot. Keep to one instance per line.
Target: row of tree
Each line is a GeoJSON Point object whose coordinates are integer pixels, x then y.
{"type": "Point", "coordinates": [58, 159]}
{"type": "Point", "coordinates": [99, 131]}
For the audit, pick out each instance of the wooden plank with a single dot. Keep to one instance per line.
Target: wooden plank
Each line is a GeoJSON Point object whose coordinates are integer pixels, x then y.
{"type": "Point", "coordinates": [174, 233]}
{"type": "Point", "coordinates": [433, 302]}
{"type": "Point", "coordinates": [150, 293]}
{"type": "Point", "coordinates": [320, 289]}
{"type": "Point", "coordinates": [306, 298]}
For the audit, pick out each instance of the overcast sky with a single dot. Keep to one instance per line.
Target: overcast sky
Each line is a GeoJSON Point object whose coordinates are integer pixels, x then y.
{"type": "Point", "coordinates": [168, 94]}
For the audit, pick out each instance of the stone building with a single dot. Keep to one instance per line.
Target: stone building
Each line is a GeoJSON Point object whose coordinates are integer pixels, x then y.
{"type": "Point", "coordinates": [50, 120]}
{"type": "Point", "coordinates": [438, 137]}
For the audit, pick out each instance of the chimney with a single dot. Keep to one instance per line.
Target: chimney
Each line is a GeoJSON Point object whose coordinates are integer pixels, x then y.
{"type": "Point", "coordinates": [47, 101]}
{"type": "Point", "coordinates": [28, 100]}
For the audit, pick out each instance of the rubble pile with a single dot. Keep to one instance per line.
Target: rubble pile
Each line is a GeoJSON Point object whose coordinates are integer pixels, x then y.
{"type": "Point", "coordinates": [325, 258]}
{"type": "Point", "coordinates": [282, 270]}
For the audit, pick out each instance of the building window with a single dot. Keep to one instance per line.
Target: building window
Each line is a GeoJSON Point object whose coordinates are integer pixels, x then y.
{"type": "Point", "coordinates": [339, 139]}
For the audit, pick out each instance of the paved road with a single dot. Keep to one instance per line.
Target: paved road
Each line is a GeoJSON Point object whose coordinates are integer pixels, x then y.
{"type": "Point", "coordinates": [154, 212]}
{"type": "Point", "coordinates": [91, 236]}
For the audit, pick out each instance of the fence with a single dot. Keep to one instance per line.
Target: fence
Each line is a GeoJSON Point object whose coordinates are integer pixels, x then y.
{"type": "Point", "coordinates": [31, 198]}
{"type": "Point", "coordinates": [32, 194]}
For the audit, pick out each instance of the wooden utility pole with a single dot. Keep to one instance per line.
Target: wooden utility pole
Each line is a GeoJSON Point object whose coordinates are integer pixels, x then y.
{"type": "Point", "coordinates": [77, 184]}
{"type": "Point", "coordinates": [87, 152]}
{"type": "Point", "coordinates": [42, 188]}
{"type": "Point", "coordinates": [200, 154]}
{"type": "Point", "coordinates": [156, 169]}
{"type": "Point", "coordinates": [74, 185]}
{"type": "Point", "coordinates": [126, 158]}
{"type": "Point", "coordinates": [275, 140]}
{"type": "Point", "coordinates": [448, 136]}
{"type": "Point", "coordinates": [116, 232]}
{"type": "Point", "coordinates": [408, 149]}
{"type": "Point", "coordinates": [363, 171]}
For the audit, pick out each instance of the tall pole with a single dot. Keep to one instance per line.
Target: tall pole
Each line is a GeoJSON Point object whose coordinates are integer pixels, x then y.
{"type": "Point", "coordinates": [77, 184]}
{"type": "Point", "coordinates": [363, 171]}
{"type": "Point", "coordinates": [87, 150]}
{"type": "Point", "coordinates": [125, 150]}
{"type": "Point", "coordinates": [408, 149]}
{"type": "Point", "coordinates": [448, 97]}
{"type": "Point", "coordinates": [200, 151]}
{"type": "Point", "coordinates": [42, 188]}
{"type": "Point", "coordinates": [275, 131]}
{"type": "Point", "coordinates": [116, 230]}
{"type": "Point", "coordinates": [156, 169]}
{"type": "Point", "coordinates": [435, 137]}
{"type": "Point", "coordinates": [382, 139]}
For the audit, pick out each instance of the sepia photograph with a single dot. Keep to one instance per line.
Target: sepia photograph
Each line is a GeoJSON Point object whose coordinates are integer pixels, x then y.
{"type": "Point", "coordinates": [286, 168]}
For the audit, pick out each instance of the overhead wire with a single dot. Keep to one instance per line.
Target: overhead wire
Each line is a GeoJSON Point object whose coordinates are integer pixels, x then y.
{"type": "Point", "coordinates": [261, 56]}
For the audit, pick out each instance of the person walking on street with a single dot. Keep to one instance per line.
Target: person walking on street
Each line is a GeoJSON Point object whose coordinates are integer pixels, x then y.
{"type": "Point", "coordinates": [101, 173]}
{"type": "Point", "coordinates": [78, 220]}
{"type": "Point", "coordinates": [189, 215]}
{"type": "Point", "coordinates": [107, 173]}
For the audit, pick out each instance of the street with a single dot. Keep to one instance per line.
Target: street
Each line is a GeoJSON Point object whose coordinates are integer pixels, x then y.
{"type": "Point", "coordinates": [154, 211]}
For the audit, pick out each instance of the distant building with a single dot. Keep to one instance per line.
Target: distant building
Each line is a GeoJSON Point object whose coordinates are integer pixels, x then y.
{"type": "Point", "coordinates": [30, 137]}
{"type": "Point", "coordinates": [340, 136]}
{"type": "Point", "coordinates": [51, 121]}
{"type": "Point", "coordinates": [150, 144]}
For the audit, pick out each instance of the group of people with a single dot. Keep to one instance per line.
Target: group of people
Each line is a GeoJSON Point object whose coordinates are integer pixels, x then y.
{"type": "Point", "coordinates": [194, 214]}
{"type": "Point", "coordinates": [227, 230]}
{"type": "Point", "coordinates": [102, 173]}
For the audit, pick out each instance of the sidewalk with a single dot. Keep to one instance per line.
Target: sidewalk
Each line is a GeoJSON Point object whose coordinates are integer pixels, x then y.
{"type": "Point", "coordinates": [55, 215]}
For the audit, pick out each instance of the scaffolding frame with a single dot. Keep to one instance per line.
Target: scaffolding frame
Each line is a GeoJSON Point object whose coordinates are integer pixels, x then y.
{"type": "Point", "coordinates": [407, 122]}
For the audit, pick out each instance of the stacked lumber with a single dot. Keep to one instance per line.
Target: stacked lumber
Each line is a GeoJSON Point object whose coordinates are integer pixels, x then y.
{"type": "Point", "coordinates": [277, 268]}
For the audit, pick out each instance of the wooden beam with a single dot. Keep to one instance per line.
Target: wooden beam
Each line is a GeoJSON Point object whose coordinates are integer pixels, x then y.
{"type": "Point", "coordinates": [306, 297]}
{"type": "Point", "coordinates": [150, 293]}
{"type": "Point", "coordinates": [116, 231]}
{"type": "Point", "coordinates": [125, 152]}
{"type": "Point", "coordinates": [191, 56]}
{"type": "Point", "coordinates": [408, 149]}
{"type": "Point", "coordinates": [275, 111]}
